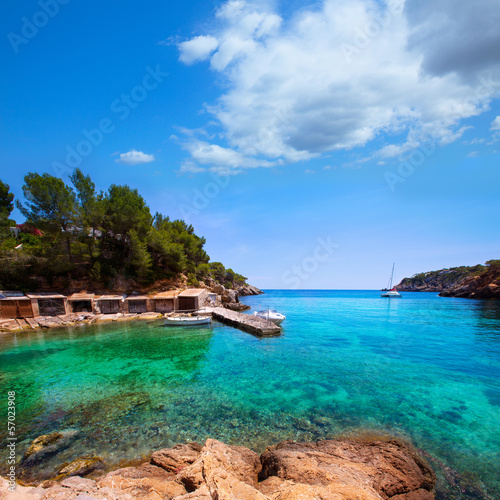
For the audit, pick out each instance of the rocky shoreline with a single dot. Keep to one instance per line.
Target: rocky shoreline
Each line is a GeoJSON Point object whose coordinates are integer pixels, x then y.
{"type": "Point", "coordinates": [248, 290]}
{"type": "Point", "coordinates": [73, 319]}
{"type": "Point", "coordinates": [477, 282]}
{"type": "Point", "coordinates": [340, 469]}
{"type": "Point", "coordinates": [485, 286]}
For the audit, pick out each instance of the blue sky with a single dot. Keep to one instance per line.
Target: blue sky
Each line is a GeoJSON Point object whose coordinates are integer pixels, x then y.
{"type": "Point", "coordinates": [312, 143]}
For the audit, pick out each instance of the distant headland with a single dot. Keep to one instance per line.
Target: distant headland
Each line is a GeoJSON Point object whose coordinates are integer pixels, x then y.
{"type": "Point", "coordinates": [473, 282]}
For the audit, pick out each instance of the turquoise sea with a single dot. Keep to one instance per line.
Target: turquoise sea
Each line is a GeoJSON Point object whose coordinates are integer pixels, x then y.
{"type": "Point", "coordinates": [423, 368]}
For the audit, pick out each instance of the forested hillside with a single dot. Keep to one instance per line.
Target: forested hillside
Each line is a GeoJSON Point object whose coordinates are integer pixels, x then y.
{"type": "Point", "coordinates": [73, 233]}
{"type": "Point", "coordinates": [437, 281]}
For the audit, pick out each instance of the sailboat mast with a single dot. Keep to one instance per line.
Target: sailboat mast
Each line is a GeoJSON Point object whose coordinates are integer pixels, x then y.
{"type": "Point", "coordinates": [392, 275]}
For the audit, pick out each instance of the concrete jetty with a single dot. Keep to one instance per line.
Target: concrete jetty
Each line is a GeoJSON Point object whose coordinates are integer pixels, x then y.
{"type": "Point", "coordinates": [252, 324]}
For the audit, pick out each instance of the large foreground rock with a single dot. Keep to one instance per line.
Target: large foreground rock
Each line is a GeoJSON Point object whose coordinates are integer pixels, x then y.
{"type": "Point", "coordinates": [353, 469]}
{"type": "Point", "coordinates": [342, 469]}
{"type": "Point", "coordinates": [177, 458]}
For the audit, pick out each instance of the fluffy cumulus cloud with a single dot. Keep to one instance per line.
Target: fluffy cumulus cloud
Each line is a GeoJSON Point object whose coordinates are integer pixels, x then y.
{"type": "Point", "coordinates": [219, 159]}
{"type": "Point", "coordinates": [197, 49]}
{"type": "Point", "coordinates": [495, 125]}
{"type": "Point", "coordinates": [135, 158]}
{"type": "Point", "coordinates": [342, 73]}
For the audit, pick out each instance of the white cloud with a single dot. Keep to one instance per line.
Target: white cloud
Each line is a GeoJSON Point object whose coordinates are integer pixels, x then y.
{"type": "Point", "coordinates": [474, 141]}
{"type": "Point", "coordinates": [337, 77]}
{"type": "Point", "coordinates": [135, 158]}
{"type": "Point", "coordinates": [495, 124]}
{"type": "Point", "coordinates": [197, 49]}
{"type": "Point", "coordinates": [219, 159]}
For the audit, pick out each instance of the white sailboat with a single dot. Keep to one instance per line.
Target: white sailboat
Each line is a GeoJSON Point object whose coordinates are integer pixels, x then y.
{"type": "Point", "coordinates": [391, 292]}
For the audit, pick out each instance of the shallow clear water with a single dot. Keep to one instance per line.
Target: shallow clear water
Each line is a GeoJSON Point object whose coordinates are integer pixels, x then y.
{"type": "Point", "coordinates": [422, 367]}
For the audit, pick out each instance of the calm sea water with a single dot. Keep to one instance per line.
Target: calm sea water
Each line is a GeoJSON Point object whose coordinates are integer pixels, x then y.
{"type": "Point", "coordinates": [421, 367]}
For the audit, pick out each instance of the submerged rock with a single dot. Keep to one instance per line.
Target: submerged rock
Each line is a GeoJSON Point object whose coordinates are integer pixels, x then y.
{"type": "Point", "coordinates": [82, 466]}
{"type": "Point", "coordinates": [340, 469]}
{"type": "Point", "coordinates": [48, 445]}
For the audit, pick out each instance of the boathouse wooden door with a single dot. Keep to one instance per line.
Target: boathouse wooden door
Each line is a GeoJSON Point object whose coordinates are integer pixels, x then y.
{"type": "Point", "coordinates": [110, 306]}
{"type": "Point", "coordinates": [137, 306]}
{"type": "Point", "coordinates": [187, 304]}
{"type": "Point", "coordinates": [164, 305]}
{"type": "Point", "coordinates": [9, 309]}
{"type": "Point", "coordinates": [16, 309]}
{"type": "Point", "coordinates": [24, 308]}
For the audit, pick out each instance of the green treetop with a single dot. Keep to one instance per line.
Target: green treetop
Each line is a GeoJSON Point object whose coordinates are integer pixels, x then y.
{"type": "Point", "coordinates": [6, 203]}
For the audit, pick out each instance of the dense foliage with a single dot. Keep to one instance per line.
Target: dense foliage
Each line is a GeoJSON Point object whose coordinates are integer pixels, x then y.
{"type": "Point", "coordinates": [6, 207]}
{"type": "Point", "coordinates": [451, 275]}
{"type": "Point", "coordinates": [74, 232]}
{"type": "Point", "coordinates": [494, 264]}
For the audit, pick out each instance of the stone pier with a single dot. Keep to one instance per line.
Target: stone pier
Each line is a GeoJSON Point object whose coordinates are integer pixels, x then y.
{"type": "Point", "coordinates": [246, 322]}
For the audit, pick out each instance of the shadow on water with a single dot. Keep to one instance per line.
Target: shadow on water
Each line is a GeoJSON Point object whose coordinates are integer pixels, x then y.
{"type": "Point", "coordinates": [489, 319]}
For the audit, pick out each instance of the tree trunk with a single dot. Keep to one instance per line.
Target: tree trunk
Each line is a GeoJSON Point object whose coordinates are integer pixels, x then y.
{"type": "Point", "coordinates": [68, 244]}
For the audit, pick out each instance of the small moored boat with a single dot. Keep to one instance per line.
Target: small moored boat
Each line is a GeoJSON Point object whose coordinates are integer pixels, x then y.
{"type": "Point", "coordinates": [390, 291]}
{"type": "Point", "coordinates": [271, 315]}
{"type": "Point", "coordinates": [187, 320]}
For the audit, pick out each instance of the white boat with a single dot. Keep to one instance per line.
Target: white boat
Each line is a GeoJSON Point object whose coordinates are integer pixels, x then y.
{"type": "Point", "coordinates": [271, 315]}
{"type": "Point", "coordinates": [187, 320]}
{"type": "Point", "coordinates": [390, 291]}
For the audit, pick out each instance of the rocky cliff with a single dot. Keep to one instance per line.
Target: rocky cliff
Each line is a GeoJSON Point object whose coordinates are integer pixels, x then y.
{"type": "Point", "coordinates": [446, 280]}
{"type": "Point", "coordinates": [122, 285]}
{"type": "Point", "coordinates": [248, 290]}
{"type": "Point", "coordinates": [484, 286]}
{"type": "Point", "coordinates": [341, 469]}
